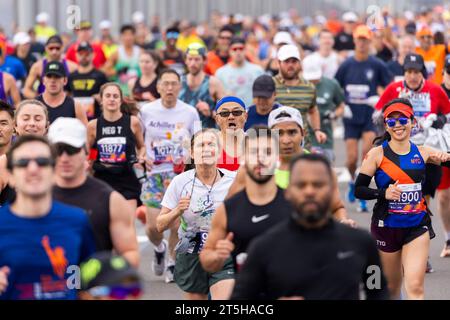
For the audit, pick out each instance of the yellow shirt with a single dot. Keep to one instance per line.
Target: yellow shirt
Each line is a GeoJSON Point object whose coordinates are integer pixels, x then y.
{"type": "Point", "coordinates": [43, 33]}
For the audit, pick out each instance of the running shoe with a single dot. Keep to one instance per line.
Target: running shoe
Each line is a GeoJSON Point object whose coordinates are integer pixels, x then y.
{"type": "Point", "coordinates": [169, 273]}
{"type": "Point", "coordinates": [446, 251]}
{"type": "Point", "coordinates": [159, 260]}
{"type": "Point", "coordinates": [362, 206]}
{"type": "Point", "coordinates": [351, 192]}
{"type": "Point", "coordinates": [429, 267]}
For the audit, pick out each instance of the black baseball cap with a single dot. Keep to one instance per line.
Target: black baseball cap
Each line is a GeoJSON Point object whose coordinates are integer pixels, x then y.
{"type": "Point", "coordinates": [106, 269]}
{"type": "Point", "coordinates": [55, 68]}
{"type": "Point", "coordinates": [84, 46]}
{"type": "Point", "coordinates": [236, 40]}
{"type": "Point", "coordinates": [413, 61]}
{"type": "Point", "coordinates": [263, 86]}
{"type": "Point", "coordinates": [54, 39]}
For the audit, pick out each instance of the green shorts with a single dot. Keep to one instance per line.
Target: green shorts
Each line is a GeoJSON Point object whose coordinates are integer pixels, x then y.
{"type": "Point", "coordinates": [190, 276]}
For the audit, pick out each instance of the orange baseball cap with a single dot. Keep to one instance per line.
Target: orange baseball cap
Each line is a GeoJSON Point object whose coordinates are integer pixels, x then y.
{"type": "Point", "coordinates": [398, 107]}
{"type": "Point", "coordinates": [424, 31]}
{"type": "Point", "coordinates": [362, 31]}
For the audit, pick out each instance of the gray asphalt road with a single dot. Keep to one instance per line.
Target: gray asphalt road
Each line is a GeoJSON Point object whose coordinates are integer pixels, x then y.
{"type": "Point", "coordinates": [437, 284]}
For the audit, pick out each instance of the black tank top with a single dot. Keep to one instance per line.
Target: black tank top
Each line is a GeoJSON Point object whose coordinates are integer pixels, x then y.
{"type": "Point", "coordinates": [66, 109]}
{"type": "Point", "coordinates": [115, 143]}
{"type": "Point", "coordinates": [138, 90]}
{"type": "Point", "coordinates": [248, 221]}
{"type": "Point", "coordinates": [96, 207]}
{"type": "Point", "coordinates": [7, 195]}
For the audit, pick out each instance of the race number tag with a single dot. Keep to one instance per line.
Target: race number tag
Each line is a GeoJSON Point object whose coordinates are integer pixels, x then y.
{"type": "Point", "coordinates": [357, 93]}
{"type": "Point", "coordinates": [112, 150]}
{"type": "Point", "coordinates": [200, 240]}
{"type": "Point", "coordinates": [163, 153]}
{"type": "Point", "coordinates": [410, 199]}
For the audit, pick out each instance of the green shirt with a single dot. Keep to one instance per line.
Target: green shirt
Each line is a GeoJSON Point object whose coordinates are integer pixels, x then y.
{"type": "Point", "coordinates": [301, 96]}
{"type": "Point", "coordinates": [329, 97]}
{"type": "Point", "coordinates": [282, 176]}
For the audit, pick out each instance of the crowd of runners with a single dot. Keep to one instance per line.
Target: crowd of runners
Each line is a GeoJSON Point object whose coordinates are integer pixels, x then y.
{"type": "Point", "coordinates": [218, 138]}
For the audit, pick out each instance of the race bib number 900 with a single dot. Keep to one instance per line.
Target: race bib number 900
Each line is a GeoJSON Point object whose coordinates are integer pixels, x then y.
{"type": "Point", "coordinates": [410, 199]}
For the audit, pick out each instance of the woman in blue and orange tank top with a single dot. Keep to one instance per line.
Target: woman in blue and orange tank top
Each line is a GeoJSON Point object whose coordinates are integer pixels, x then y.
{"type": "Point", "coordinates": [401, 223]}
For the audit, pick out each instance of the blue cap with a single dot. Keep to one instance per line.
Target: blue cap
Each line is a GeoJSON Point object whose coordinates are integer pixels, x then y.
{"type": "Point", "coordinates": [230, 99]}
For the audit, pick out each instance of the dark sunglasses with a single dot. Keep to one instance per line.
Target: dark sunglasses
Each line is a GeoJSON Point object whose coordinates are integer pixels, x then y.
{"type": "Point", "coordinates": [116, 292]}
{"type": "Point", "coordinates": [235, 113]}
{"type": "Point", "coordinates": [237, 49]}
{"type": "Point", "coordinates": [61, 148]}
{"type": "Point", "coordinates": [40, 161]}
{"type": "Point", "coordinates": [392, 121]}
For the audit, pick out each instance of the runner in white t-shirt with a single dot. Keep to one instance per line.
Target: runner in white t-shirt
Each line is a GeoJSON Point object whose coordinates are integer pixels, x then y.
{"type": "Point", "coordinates": [168, 125]}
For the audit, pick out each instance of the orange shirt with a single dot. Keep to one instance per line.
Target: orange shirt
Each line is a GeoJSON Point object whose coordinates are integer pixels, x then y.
{"type": "Point", "coordinates": [213, 62]}
{"type": "Point", "coordinates": [434, 61]}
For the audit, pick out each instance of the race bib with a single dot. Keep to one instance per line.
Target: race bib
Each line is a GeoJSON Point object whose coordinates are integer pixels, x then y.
{"type": "Point", "coordinates": [112, 150]}
{"type": "Point", "coordinates": [163, 153]}
{"type": "Point", "coordinates": [421, 103]}
{"type": "Point", "coordinates": [410, 200]}
{"type": "Point", "coordinates": [357, 93]}
{"type": "Point", "coordinates": [199, 242]}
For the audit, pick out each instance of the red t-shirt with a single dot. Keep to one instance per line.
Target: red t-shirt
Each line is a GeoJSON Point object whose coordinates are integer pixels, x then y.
{"type": "Point", "coordinates": [99, 55]}
{"type": "Point", "coordinates": [227, 162]}
{"type": "Point", "coordinates": [430, 99]}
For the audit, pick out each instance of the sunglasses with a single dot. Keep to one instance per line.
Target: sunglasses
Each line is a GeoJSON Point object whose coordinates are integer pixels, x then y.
{"type": "Point", "coordinates": [235, 49]}
{"type": "Point", "coordinates": [235, 113]}
{"type": "Point", "coordinates": [54, 48]}
{"type": "Point", "coordinates": [40, 161]}
{"type": "Point", "coordinates": [172, 35]}
{"type": "Point", "coordinates": [392, 121]}
{"type": "Point", "coordinates": [116, 292]}
{"type": "Point", "coordinates": [61, 148]}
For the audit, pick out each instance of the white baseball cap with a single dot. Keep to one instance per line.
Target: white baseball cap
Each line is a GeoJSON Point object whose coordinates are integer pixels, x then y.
{"type": "Point", "coordinates": [311, 69]}
{"type": "Point", "coordinates": [42, 17]}
{"type": "Point", "coordinates": [21, 38]}
{"type": "Point", "coordinates": [288, 51]}
{"type": "Point", "coordinates": [138, 17]}
{"type": "Point", "coordinates": [70, 131]}
{"type": "Point", "coordinates": [349, 17]}
{"type": "Point", "coordinates": [105, 24]}
{"type": "Point", "coordinates": [282, 37]}
{"type": "Point", "coordinates": [285, 114]}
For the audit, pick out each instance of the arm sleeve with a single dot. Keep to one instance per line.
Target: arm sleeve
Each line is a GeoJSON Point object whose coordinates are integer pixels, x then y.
{"type": "Point", "coordinates": [250, 282]}
{"type": "Point", "coordinates": [375, 284]}
{"type": "Point", "coordinates": [362, 190]}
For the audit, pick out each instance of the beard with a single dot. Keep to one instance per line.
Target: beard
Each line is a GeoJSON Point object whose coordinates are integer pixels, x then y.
{"type": "Point", "coordinates": [259, 179]}
{"type": "Point", "coordinates": [311, 211]}
{"type": "Point", "coordinates": [289, 75]}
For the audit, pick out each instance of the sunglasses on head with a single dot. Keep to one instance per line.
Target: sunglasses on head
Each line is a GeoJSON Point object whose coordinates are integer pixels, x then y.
{"type": "Point", "coordinates": [120, 292]}
{"type": "Point", "coordinates": [61, 148]}
{"type": "Point", "coordinates": [40, 161]}
{"type": "Point", "coordinates": [392, 121]}
{"type": "Point", "coordinates": [235, 113]}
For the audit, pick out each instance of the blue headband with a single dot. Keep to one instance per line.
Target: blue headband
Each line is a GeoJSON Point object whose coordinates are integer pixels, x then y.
{"type": "Point", "coordinates": [230, 99]}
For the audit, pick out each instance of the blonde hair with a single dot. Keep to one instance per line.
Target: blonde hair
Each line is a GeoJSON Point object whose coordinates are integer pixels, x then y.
{"type": "Point", "coordinates": [35, 102]}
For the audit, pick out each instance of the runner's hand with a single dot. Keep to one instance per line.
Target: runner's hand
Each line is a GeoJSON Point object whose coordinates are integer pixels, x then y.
{"type": "Point", "coordinates": [4, 272]}
{"type": "Point", "coordinates": [349, 222]}
{"type": "Point", "coordinates": [321, 137]}
{"type": "Point", "coordinates": [393, 192]}
{"type": "Point", "coordinates": [225, 247]}
{"type": "Point", "coordinates": [183, 204]}
{"type": "Point", "coordinates": [440, 156]}
{"type": "Point", "coordinates": [203, 108]}
{"type": "Point", "coordinates": [148, 164]}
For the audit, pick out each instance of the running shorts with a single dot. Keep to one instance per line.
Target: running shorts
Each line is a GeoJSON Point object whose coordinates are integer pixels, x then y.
{"type": "Point", "coordinates": [445, 179]}
{"type": "Point", "coordinates": [433, 175]}
{"type": "Point", "coordinates": [355, 131]}
{"type": "Point", "coordinates": [190, 276]}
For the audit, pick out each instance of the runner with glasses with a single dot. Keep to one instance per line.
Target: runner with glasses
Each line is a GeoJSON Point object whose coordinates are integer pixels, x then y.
{"type": "Point", "coordinates": [401, 221]}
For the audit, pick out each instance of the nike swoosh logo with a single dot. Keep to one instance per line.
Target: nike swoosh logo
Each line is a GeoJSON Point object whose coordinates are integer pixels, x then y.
{"type": "Point", "coordinates": [259, 219]}
{"type": "Point", "coordinates": [344, 254]}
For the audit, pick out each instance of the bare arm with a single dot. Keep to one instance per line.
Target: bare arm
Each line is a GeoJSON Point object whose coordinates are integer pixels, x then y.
{"type": "Point", "coordinates": [91, 132]}
{"type": "Point", "coordinates": [34, 74]}
{"type": "Point", "coordinates": [434, 156]}
{"type": "Point", "coordinates": [138, 133]}
{"type": "Point", "coordinates": [216, 89]}
{"type": "Point", "coordinates": [123, 232]}
{"type": "Point", "coordinates": [371, 161]}
{"type": "Point", "coordinates": [209, 258]}
{"type": "Point", "coordinates": [238, 184]}
{"type": "Point", "coordinates": [108, 68]}
{"type": "Point", "coordinates": [339, 111]}
{"type": "Point", "coordinates": [80, 114]}
{"type": "Point", "coordinates": [314, 117]}
{"type": "Point", "coordinates": [167, 217]}
{"type": "Point", "coordinates": [11, 88]}
{"type": "Point", "coordinates": [131, 84]}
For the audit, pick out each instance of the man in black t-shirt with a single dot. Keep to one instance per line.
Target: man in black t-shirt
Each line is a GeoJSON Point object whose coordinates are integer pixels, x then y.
{"type": "Point", "coordinates": [86, 81]}
{"type": "Point", "coordinates": [343, 42]}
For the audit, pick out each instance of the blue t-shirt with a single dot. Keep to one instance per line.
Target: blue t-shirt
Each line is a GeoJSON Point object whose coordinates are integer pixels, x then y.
{"type": "Point", "coordinates": [360, 80]}
{"type": "Point", "coordinates": [14, 67]}
{"type": "Point", "coordinates": [38, 252]}
{"type": "Point", "coordinates": [255, 118]}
